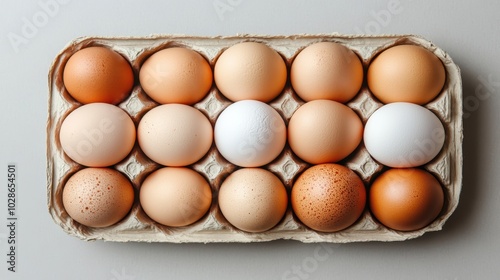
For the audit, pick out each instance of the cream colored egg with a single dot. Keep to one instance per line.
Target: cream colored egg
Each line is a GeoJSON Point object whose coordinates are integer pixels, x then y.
{"type": "Point", "coordinates": [174, 134]}
{"type": "Point", "coordinates": [253, 199]}
{"type": "Point", "coordinates": [97, 135]}
{"type": "Point", "coordinates": [175, 196]}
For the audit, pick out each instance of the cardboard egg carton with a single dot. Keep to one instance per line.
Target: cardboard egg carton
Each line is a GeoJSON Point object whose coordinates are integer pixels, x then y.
{"type": "Point", "coordinates": [213, 227]}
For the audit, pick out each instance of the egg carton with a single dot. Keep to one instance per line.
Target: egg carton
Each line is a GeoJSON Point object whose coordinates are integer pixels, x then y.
{"type": "Point", "coordinates": [213, 227]}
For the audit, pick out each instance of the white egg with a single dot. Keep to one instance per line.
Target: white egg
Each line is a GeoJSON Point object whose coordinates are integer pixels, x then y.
{"type": "Point", "coordinates": [403, 135]}
{"type": "Point", "coordinates": [250, 133]}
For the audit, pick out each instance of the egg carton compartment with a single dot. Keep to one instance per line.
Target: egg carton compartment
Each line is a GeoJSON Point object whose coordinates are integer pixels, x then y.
{"type": "Point", "coordinates": [213, 227]}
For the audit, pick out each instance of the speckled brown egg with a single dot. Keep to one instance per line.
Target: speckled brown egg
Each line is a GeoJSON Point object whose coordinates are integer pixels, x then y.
{"type": "Point", "coordinates": [98, 74]}
{"type": "Point", "coordinates": [406, 199]}
{"type": "Point", "coordinates": [98, 197]}
{"type": "Point", "coordinates": [328, 197]}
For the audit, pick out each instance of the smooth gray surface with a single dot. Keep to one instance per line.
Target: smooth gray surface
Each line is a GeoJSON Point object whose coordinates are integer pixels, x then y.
{"type": "Point", "coordinates": [467, 247]}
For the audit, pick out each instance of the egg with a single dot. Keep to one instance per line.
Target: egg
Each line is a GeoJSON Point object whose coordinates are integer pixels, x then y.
{"type": "Point", "coordinates": [176, 75]}
{"type": "Point", "coordinates": [403, 134]}
{"type": "Point", "coordinates": [175, 196]}
{"type": "Point", "coordinates": [97, 135]}
{"type": "Point", "coordinates": [250, 70]}
{"type": "Point", "coordinates": [328, 197]}
{"type": "Point", "coordinates": [322, 131]}
{"type": "Point", "coordinates": [326, 70]}
{"type": "Point", "coordinates": [253, 199]}
{"type": "Point", "coordinates": [406, 199]}
{"type": "Point", "coordinates": [97, 197]}
{"type": "Point", "coordinates": [174, 134]}
{"type": "Point", "coordinates": [406, 73]}
{"type": "Point", "coordinates": [98, 74]}
{"type": "Point", "coordinates": [250, 133]}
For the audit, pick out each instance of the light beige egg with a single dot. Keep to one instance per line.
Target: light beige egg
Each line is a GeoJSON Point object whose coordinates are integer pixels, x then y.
{"type": "Point", "coordinates": [175, 134]}
{"type": "Point", "coordinates": [97, 135]}
{"type": "Point", "coordinates": [175, 196]}
{"type": "Point", "coordinates": [253, 199]}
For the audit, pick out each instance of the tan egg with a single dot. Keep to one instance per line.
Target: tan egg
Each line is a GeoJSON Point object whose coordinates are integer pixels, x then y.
{"type": "Point", "coordinates": [176, 75]}
{"type": "Point", "coordinates": [406, 199]}
{"type": "Point", "coordinates": [406, 73]}
{"type": "Point", "coordinates": [97, 135]}
{"type": "Point", "coordinates": [174, 134]}
{"type": "Point", "coordinates": [326, 70]}
{"type": "Point", "coordinates": [323, 131]}
{"type": "Point", "coordinates": [328, 197]}
{"type": "Point", "coordinates": [253, 199]}
{"type": "Point", "coordinates": [250, 70]}
{"type": "Point", "coordinates": [175, 196]}
{"type": "Point", "coordinates": [98, 197]}
{"type": "Point", "coordinates": [98, 74]}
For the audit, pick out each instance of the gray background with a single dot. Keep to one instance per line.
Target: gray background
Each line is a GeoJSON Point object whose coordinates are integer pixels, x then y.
{"type": "Point", "coordinates": [466, 248]}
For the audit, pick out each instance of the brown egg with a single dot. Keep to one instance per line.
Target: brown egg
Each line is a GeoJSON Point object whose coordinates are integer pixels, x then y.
{"type": "Point", "coordinates": [253, 199]}
{"type": "Point", "coordinates": [176, 75]}
{"type": "Point", "coordinates": [175, 196]}
{"type": "Point", "coordinates": [323, 131]}
{"type": "Point", "coordinates": [98, 197]}
{"type": "Point", "coordinates": [250, 70]}
{"type": "Point", "coordinates": [328, 197]}
{"type": "Point", "coordinates": [406, 73]}
{"type": "Point", "coordinates": [326, 70]}
{"type": "Point", "coordinates": [406, 199]}
{"type": "Point", "coordinates": [98, 74]}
